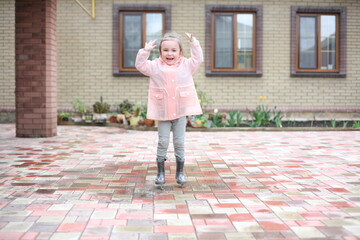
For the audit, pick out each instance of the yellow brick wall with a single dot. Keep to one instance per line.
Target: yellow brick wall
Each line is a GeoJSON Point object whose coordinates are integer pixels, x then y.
{"type": "Point", "coordinates": [7, 53]}
{"type": "Point", "coordinates": [85, 57]}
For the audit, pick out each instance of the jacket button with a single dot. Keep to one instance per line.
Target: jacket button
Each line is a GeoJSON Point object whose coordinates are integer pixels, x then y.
{"type": "Point", "coordinates": [173, 98]}
{"type": "Point", "coordinates": [173, 80]}
{"type": "Point", "coordinates": [174, 114]}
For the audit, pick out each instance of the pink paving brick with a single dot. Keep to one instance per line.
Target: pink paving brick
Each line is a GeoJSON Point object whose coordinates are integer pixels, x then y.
{"type": "Point", "coordinates": [164, 197]}
{"type": "Point", "coordinates": [174, 229]}
{"type": "Point", "coordinates": [11, 235]}
{"type": "Point", "coordinates": [143, 201]}
{"type": "Point", "coordinates": [39, 213]}
{"type": "Point", "coordinates": [241, 217]}
{"type": "Point", "coordinates": [36, 207]}
{"type": "Point", "coordinates": [273, 226]}
{"type": "Point", "coordinates": [228, 205]}
{"type": "Point", "coordinates": [30, 236]}
{"type": "Point", "coordinates": [72, 227]}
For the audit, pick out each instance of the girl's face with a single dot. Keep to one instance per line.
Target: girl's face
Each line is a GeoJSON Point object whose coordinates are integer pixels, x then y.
{"type": "Point", "coordinates": [170, 51]}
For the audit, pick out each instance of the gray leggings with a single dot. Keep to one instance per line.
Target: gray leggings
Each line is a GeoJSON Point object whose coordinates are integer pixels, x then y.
{"type": "Point", "coordinates": [178, 126]}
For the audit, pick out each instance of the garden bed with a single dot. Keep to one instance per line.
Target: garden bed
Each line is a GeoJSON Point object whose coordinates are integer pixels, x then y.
{"type": "Point", "coordinates": [286, 126]}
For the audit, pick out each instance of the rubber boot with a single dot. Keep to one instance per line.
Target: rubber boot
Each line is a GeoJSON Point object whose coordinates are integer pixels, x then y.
{"type": "Point", "coordinates": [160, 179]}
{"type": "Point", "coordinates": [180, 178]}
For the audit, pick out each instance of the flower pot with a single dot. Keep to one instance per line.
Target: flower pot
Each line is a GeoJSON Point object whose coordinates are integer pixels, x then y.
{"type": "Point", "coordinates": [149, 122]}
{"type": "Point", "coordinates": [88, 117]}
{"type": "Point", "coordinates": [134, 120]}
{"type": "Point", "coordinates": [100, 117]}
{"type": "Point", "coordinates": [112, 119]}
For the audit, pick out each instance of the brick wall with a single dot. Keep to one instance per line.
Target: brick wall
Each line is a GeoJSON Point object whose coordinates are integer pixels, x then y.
{"type": "Point", "coordinates": [85, 59]}
{"type": "Point", "coordinates": [7, 53]}
{"type": "Point", "coordinates": [36, 99]}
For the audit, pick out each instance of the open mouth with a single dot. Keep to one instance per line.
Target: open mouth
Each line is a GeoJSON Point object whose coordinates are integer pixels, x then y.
{"type": "Point", "coordinates": [169, 59]}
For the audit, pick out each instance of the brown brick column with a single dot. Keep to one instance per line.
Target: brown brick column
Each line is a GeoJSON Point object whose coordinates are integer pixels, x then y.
{"type": "Point", "coordinates": [36, 70]}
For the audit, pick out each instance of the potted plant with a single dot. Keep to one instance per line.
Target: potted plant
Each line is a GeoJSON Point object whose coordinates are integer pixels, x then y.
{"type": "Point", "coordinates": [100, 110]}
{"type": "Point", "coordinates": [79, 109]}
{"type": "Point", "coordinates": [135, 115]}
{"type": "Point", "coordinates": [124, 109]}
{"type": "Point", "coordinates": [88, 116]}
{"type": "Point", "coordinates": [112, 118]}
{"type": "Point", "coordinates": [148, 122]}
{"type": "Point", "coordinates": [64, 116]}
{"type": "Point", "coordinates": [200, 121]}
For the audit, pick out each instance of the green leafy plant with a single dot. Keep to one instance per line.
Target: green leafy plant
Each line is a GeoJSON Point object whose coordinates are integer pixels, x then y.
{"type": "Point", "coordinates": [345, 124]}
{"type": "Point", "coordinates": [238, 118]}
{"type": "Point", "coordinates": [125, 107]}
{"type": "Point", "coordinates": [143, 112]}
{"type": "Point", "coordinates": [232, 119]}
{"type": "Point", "coordinates": [201, 120]}
{"type": "Point", "coordinates": [261, 116]}
{"type": "Point", "coordinates": [136, 110]}
{"type": "Point", "coordinates": [204, 100]}
{"type": "Point", "coordinates": [78, 106]}
{"type": "Point", "coordinates": [333, 123]}
{"type": "Point", "coordinates": [216, 121]}
{"type": "Point", "coordinates": [64, 116]}
{"type": "Point", "coordinates": [101, 107]}
{"type": "Point", "coordinates": [277, 118]}
{"type": "Point", "coordinates": [356, 124]}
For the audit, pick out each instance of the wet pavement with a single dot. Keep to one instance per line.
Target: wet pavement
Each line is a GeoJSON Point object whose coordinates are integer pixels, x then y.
{"type": "Point", "coordinates": [98, 183]}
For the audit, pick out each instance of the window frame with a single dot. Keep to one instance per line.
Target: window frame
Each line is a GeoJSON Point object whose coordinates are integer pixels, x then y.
{"type": "Point", "coordinates": [340, 12]}
{"type": "Point", "coordinates": [234, 33]}
{"type": "Point", "coordinates": [118, 11]}
{"type": "Point", "coordinates": [211, 11]}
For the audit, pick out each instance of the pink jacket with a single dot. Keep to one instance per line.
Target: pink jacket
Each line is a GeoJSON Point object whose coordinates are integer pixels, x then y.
{"type": "Point", "coordinates": [172, 92]}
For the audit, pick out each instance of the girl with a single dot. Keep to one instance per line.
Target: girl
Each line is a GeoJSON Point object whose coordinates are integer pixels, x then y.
{"type": "Point", "coordinates": [172, 95]}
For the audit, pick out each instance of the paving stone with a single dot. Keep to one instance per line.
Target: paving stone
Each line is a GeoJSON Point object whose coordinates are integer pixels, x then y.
{"type": "Point", "coordinates": [307, 232]}
{"type": "Point", "coordinates": [67, 236]}
{"type": "Point", "coordinates": [241, 185]}
{"type": "Point", "coordinates": [44, 227]}
{"type": "Point", "coordinates": [17, 227]}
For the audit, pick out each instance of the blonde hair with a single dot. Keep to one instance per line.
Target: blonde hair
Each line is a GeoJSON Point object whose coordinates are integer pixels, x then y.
{"type": "Point", "coordinates": [172, 36]}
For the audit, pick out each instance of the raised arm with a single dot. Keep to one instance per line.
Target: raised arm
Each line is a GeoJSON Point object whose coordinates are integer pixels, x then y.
{"type": "Point", "coordinates": [142, 63]}
{"type": "Point", "coordinates": [196, 53]}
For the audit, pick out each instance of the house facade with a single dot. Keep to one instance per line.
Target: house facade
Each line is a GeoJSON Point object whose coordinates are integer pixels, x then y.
{"type": "Point", "coordinates": [300, 56]}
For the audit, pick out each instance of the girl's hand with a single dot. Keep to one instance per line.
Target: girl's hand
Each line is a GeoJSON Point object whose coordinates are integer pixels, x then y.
{"type": "Point", "coordinates": [150, 45]}
{"type": "Point", "coordinates": [191, 37]}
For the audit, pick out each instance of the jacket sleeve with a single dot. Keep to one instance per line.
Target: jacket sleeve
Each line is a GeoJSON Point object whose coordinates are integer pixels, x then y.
{"type": "Point", "coordinates": [196, 56]}
{"type": "Point", "coordinates": [142, 64]}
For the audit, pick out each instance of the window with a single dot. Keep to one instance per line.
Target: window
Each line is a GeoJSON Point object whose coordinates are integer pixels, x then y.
{"type": "Point", "coordinates": [318, 45]}
{"type": "Point", "coordinates": [234, 34]}
{"type": "Point", "coordinates": [133, 26]}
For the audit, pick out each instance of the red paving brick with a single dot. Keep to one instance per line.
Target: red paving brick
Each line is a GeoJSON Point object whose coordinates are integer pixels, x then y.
{"type": "Point", "coordinates": [98, 183]}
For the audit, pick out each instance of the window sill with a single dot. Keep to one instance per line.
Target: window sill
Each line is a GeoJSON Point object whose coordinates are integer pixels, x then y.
{"type": "Point", "coordinates": [128, 74]}
{"type": "Point", "coordinates": [323, 75]}
{"type": "Point", "coordinates": [233, 74]}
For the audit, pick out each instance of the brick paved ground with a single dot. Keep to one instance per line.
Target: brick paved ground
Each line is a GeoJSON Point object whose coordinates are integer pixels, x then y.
{"type": "Point", "coordinates": [97, 183]}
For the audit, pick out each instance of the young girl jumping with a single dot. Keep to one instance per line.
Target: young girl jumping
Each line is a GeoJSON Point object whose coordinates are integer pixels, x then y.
{"type": "Point", "coordinates": [172, 95]}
